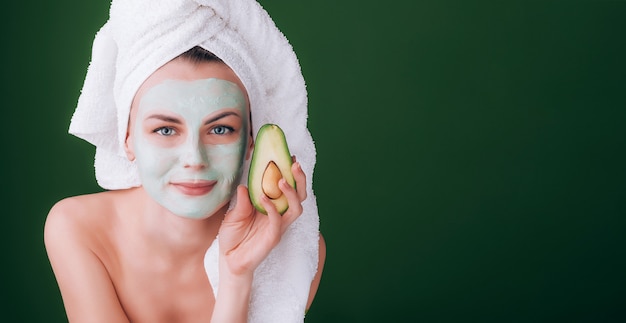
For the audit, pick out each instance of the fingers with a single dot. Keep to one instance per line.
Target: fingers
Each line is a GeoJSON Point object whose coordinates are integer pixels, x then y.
{"type": "Point", "coordinates": [278, 224]}
{"type": "Point", "coordinates": [295, 205]}
{"type": "Point", "coordinates": [275, 220]}
{"type": "Point", "coordinates": [300, 177]}
{"type": "Point", "coordinates": [293, 197]}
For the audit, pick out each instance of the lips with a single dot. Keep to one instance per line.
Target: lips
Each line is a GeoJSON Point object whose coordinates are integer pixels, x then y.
{"type": "Point", "coordinates": [194, 187]}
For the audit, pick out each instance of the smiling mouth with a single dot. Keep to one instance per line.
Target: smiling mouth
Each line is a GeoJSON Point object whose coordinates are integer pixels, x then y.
{"type": "Point", "coordinates": [194, 188]}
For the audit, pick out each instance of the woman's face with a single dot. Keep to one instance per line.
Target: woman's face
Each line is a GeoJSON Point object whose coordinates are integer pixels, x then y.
{"type": "Point", "coordinates": [189, 133]}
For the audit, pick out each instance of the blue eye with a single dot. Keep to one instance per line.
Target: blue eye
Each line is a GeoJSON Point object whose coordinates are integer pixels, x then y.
{"type": "Point", "coordinates": [165, 131]}
{"type": "Point", "coordinates": [222, 130]}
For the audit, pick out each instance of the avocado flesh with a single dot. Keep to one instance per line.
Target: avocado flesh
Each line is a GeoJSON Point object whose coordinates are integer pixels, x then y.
{"type": "Point", "coordinates": [271, 161]}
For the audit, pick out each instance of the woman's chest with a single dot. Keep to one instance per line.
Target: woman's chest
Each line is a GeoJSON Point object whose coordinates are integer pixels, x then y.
{"type": "Point", "coordinates": [153, 289]}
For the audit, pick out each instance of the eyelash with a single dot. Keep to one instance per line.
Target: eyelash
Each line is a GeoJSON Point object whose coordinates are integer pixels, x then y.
{"type": "Point", "coordinates": [160, 131]}
{"type": "Point", "coordinates": [228, 130]}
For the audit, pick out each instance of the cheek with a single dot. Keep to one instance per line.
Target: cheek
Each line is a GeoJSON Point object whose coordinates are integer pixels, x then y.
{"type": "Point", "coordinates": [226, 159]}
{"type": "Point", "coordinates": [153, 161]}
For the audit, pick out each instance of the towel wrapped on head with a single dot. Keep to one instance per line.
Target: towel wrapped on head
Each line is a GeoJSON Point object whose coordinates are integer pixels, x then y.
{"type": "Point", "coordinates": [141, 36]}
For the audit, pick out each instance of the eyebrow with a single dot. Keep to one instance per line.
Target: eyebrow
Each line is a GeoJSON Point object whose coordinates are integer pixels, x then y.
{"type": "Point", "coordinates": [175, 120]}
{"type": "Point", "coordinates": [221, 115]}
{"type": "Point", "coordinates": [165, 118]}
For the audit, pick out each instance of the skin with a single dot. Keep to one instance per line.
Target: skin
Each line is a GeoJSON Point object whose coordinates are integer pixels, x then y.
{"type": "Point", "coordinates": [121, 256]}
{"type": "Point", "coordinates": [213, 139]}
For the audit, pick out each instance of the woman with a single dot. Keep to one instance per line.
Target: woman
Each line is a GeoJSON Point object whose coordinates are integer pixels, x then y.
{"type": "Point", "coordinates": [174, 130]}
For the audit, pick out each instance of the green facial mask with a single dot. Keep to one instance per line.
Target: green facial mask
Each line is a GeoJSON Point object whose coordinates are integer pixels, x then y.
{"type": "Point", "coordinates": [190, 139]}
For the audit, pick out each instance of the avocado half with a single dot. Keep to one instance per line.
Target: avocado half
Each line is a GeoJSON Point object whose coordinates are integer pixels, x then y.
{"type": "Point", "coordinates": [271, 161]}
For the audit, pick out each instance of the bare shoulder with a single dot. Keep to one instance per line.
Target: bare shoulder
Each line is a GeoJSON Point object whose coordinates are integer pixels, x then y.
{"type": "Point", "coordinates": [85, 220]}
{"type": "Point", "coordinates": [322, 257]}
{"type": "Point", "coordinates": [320, 267]}
{"type": "Point", "coordinates": [75, 205]}
{"type": "Point", "coordinates": [78, 241]}
{"type": "Point", "coordinates": [322, 244]}
{"type": "Point", "coordinates": [78, 216]}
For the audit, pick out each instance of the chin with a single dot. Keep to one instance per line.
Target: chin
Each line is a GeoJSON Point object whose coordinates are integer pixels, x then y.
{"type": "Point", "coordinates": [198, 212]}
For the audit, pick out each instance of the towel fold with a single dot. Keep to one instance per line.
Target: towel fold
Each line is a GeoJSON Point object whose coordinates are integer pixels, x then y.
{"type": "Point", "coordinates": [141, 36]}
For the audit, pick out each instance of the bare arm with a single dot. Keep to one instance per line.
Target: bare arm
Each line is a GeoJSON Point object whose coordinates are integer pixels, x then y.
{"type": "Point", "coordinates": [87, 291]}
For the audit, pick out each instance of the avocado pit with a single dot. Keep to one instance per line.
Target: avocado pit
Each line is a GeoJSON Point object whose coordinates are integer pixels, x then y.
{"type": "Point", "coordinates": [269, 183]}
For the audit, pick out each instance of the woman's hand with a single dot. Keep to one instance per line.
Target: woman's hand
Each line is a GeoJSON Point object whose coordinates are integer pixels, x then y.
{"type": "Point", "coordinates": [247, 236]}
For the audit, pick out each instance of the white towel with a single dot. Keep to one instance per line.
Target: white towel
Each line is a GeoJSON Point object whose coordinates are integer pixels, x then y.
{"type": "Point", "coordinates": [142, 35]}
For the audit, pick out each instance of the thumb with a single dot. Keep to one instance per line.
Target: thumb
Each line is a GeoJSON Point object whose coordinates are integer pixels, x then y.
{"type": "Point", "coordinates": [242, 209]}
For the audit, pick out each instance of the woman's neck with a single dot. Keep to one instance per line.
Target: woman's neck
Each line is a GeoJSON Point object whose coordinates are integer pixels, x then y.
{"type": "Point", "coordinates": [171, 233]}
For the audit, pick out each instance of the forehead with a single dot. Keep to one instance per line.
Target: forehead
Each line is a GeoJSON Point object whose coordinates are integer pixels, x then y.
{"type": "Point", "coordinates": [180, 69]}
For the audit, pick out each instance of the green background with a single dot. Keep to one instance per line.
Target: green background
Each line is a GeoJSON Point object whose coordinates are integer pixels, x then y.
{"type": "Point", "coordinates": [471, 163]}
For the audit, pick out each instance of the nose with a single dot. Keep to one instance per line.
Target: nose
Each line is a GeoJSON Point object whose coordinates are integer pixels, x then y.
{"type": "Point", "coordinates": [194, 155]}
